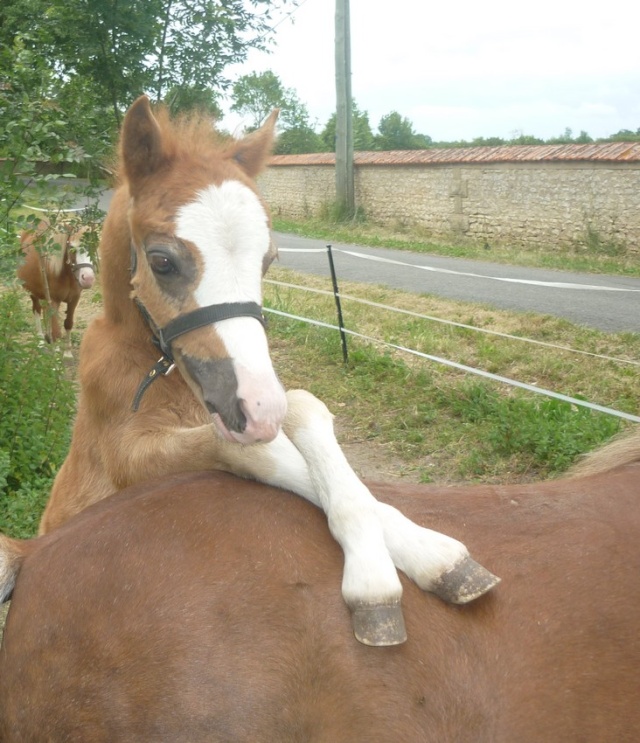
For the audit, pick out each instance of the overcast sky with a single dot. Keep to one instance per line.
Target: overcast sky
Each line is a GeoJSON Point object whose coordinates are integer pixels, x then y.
{"type": "Point", "coordinates": [466, 69]}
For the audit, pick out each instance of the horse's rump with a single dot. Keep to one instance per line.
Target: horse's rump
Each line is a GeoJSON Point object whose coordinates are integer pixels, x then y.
{"type": "Point", "coordinates": [208, 608]}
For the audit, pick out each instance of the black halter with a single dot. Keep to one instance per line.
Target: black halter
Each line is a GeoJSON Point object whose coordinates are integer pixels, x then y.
{"type": "Point", "coordinates": [163, 337]}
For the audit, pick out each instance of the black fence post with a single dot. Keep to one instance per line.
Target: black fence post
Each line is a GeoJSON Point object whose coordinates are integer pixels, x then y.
{"type": "Point", "coordinates": [336, 295]}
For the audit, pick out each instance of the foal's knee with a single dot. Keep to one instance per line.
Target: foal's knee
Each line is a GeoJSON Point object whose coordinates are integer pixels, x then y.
{"type": "Point", "coordinates": [302, 407]}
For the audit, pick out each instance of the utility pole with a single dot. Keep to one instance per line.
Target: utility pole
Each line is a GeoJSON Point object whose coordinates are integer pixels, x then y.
{"type": "Point", "coordinates": [345, 195]}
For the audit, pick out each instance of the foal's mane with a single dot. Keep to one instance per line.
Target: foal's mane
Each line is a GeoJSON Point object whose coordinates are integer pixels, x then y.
{"type": "Point", "coordinates": [192, 133]}
{"type": "Point", "coordinates": [192, 137]}
{"type": "Point", "coordinates": [624, 449]}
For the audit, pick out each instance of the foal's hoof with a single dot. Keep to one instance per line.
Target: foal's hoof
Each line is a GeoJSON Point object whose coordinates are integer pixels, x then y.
{"type": "Point", "coordinates": [467, 580]}
{"type": "Point", "coordinates": [379, 624]}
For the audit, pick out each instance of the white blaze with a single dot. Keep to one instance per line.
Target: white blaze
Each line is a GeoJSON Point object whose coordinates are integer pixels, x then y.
{"type": "Point", "coordinates": [229, 226]}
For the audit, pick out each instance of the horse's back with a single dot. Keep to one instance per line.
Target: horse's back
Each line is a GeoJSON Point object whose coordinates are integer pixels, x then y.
{"type": "Point", "coordinates": [208, 608]}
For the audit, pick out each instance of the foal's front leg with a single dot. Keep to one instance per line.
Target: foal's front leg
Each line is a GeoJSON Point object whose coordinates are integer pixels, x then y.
{"type": "Point", "coordinates": [436, 562]}
{"type": "Point", "coordinates": [374, 536]}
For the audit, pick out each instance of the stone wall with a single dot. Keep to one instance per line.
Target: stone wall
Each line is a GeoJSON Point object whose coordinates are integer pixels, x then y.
{"type": "Point", "coordinates": [538, 203]}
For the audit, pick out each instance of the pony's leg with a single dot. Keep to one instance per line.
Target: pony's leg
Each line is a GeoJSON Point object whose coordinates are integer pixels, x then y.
{"type": "Point", "coordinates": [436, 562]}
{"type": "Point", "coordinates": [54, 322]}
{"type": "Point", "coordinates": [68, 324]}
{"type": "Point", "coordinates": [37, 315]}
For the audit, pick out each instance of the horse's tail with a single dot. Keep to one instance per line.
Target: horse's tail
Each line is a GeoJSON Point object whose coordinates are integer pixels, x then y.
{"type": "Point", "coordinates": [621, 450]}
{"type": "Point", "coordinates": [12, 553]}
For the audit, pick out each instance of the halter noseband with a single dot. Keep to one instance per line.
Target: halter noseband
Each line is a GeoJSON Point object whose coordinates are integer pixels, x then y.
{"type": "Point", "coordinates": [163, 337]}
{"type": "Point", "coordinates": [75, 267]}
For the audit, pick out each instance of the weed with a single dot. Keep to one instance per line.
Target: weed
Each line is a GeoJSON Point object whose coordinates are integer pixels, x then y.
{"type": "Point", "coordinates": [440, 424]}
{"type": "Point", "coordinates": [37, 408]}
{"type": "Point", "coordinates": [599, 245]}
{"type": "Point", "coordinates": [335, 213]}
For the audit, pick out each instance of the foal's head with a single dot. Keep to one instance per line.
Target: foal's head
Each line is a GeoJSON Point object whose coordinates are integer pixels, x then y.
{"type": "Point", "coordinates": [200, 238]}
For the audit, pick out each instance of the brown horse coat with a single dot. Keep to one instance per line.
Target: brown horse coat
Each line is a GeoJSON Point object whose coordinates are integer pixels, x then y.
{"type": "Point", "coordinates": [186, 236]}
{"type": "Point", "coordinates": [67, 272]}
{"type": "Point", "coordinates": [207, 608]}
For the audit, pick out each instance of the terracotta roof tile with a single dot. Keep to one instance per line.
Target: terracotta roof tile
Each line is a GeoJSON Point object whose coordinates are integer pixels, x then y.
{"type": "Point", "coordinates": [606, 151]}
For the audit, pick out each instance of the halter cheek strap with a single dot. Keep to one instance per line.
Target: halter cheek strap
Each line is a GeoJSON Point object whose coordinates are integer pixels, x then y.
{"type": "Point", "coordinates": [163, 337]}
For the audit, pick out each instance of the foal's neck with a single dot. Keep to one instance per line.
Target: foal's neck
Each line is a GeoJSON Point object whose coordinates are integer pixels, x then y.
{"type": "Point", "coordinates": [115, 264]}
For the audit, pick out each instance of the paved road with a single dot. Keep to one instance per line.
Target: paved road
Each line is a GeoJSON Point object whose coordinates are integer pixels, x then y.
{"type": "Point", "coordinates": [609, 303]}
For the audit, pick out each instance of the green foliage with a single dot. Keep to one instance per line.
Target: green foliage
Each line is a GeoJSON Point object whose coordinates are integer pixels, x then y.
{"type": "Point", "coordinates": [335, 213]}
{"type": "Point", "coordinates": [117, 50]}
{"type": "Point", "coordinates": [599, 245]}
{"type": "Point", "coordinates": [545, 433]}
{"type": "Point", "coordinates": [625, 135]}
{"type": "Point", "coordinates": [257, 94]}
{"type": "Point", "coordinates": [36, 151]}
{"type": "Point", "coordinates": [37, 409]}
{"type": "Point", "coordinates": [297, 141]}
{"type": "Point", "coordinates": [182, 99]}
{"type": "Point", "coordinates": [362, 135]}
{"type": "Point", "coordinates": [396, 133]}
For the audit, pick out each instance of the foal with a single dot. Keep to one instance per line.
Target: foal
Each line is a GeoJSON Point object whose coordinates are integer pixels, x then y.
{"type": "Point", "coordinates": [62, 273]}
{"type": "Point", "coordinates": [183, 251]}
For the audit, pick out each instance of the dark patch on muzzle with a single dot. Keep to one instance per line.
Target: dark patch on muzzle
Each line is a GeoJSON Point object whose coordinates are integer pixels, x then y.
{"type": "Point", "coordinates": [217, 381]}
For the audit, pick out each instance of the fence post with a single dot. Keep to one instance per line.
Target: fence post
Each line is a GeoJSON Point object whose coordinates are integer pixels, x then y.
{"type": "Point", "coordinates": [336, 296]}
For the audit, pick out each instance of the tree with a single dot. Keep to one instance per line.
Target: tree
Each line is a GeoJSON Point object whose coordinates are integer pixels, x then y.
{"type": "Point", "coordinates": [298, 140]}
{"type": "Point", "coordinates": [36, 144]}
{"type": "Point", "coordinates": [625, 135]}
{"type": "Point", "coordinates": [152, 46]}
{"type": "Point", "coordinates": [396, 133]}
{"type": "Point", "coordinates": [257, 94]}
{"type": "Point", "coordinates": [192, 97]}
{"type": "Point", "coordinates": [362, 134]}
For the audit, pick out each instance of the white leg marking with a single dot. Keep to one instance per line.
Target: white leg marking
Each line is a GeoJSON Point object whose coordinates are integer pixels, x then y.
{"type": "Point", "coordinates": [38, 320]}
{"type": "Point", "coordinates": [68, 353]}
{"type": "Point", "coordinates": [310, 468]}
{"type": "Point", "coordinates": [423, 554]}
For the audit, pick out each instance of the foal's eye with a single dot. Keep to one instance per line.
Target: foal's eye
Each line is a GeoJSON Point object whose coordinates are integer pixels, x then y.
{"type": "Point", "coordinates": [161, 264]}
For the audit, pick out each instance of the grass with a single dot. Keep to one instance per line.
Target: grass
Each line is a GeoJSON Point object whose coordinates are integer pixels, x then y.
{"type": "Point", "coordinates": [440, 424]}
{"type": "Point", "coordinates": [595, 256]}
{"type": "Point", "coordinates": [413, 417]}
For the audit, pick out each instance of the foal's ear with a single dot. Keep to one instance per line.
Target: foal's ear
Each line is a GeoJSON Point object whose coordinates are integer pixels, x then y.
{"type": "Point", "coordinates": [252, 152]}
{"type": "Point", "coordinates": [140, 143]}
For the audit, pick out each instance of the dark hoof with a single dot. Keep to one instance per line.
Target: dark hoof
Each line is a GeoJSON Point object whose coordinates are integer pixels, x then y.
{"type": "Point", "coordinates": [379, 624]}
{"type": "Point", "coordinates": [466, 581]}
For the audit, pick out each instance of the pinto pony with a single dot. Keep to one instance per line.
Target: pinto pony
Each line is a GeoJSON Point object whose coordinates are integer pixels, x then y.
{"type": "Point", "coordinates": [56, 275]}
{"type": "Point", "coordinates": [184, 247]}
{"type": "Point", "coordinates": [203, 607]}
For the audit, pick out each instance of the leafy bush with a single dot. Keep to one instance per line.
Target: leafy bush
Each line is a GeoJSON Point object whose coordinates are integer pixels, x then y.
{"type": "Point", "coordinates": [549, 433]}
{"type": "Point", "coordinates": [38, 404]}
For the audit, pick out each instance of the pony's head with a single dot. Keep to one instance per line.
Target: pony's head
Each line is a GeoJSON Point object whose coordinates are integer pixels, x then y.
{"type": "Point", "coordinates": [79, 259]}
{"type": "Point", "coordinates": [200, 244]}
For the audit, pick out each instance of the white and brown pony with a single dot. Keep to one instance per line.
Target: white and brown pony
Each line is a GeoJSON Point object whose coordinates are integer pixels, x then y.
{"type": "Point", "coordinates": [56, 269]}
{"type": "Point", "coordinates": [205, 608]}
{"type": "Point", "coordinates": [184, 247]}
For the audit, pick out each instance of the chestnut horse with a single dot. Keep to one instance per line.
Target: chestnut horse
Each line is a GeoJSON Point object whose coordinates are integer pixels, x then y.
{"type": "Point", "coordinates": [206, 608]}
{"type": "Point", "coordinates": [184, 247]}
{"type": "Point", "coordinates": [55, 263]}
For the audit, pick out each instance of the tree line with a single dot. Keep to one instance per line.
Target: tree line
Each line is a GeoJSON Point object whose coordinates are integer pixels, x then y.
{"type": "Point", "coordinates": [256, 94]}
{"type": "Point", "coordinates": [70, 68]}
